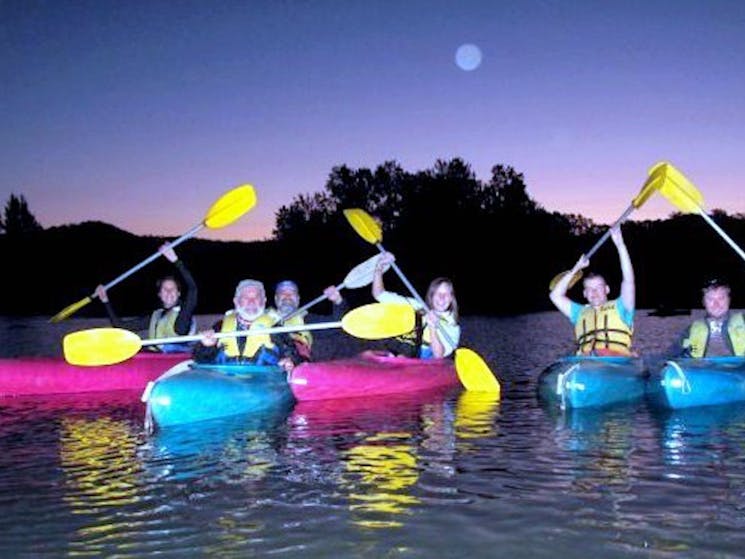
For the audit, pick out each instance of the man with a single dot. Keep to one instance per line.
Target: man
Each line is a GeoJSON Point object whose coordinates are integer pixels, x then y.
{"type": "Point", "coordinates": [174, 318]}
{"type": "Point", "coordinates": [297, 346]}
{"type": "Point", "coordinates": [601, 327]}
{"type": "Point", "coordinates": [248, 313]}
{"type": "Point", "coordinates": [720, 332]}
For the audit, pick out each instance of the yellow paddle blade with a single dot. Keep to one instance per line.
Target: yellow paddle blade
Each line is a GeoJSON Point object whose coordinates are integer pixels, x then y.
{"type": "Point", "coordinates": [70, 309]}
{"type": "Point", "coordinates": [475, 413]}
{"type": "Point", "coordinates": [230, 206]}
{"type": "Point", "coordinates": [365, 225]}
{"type": "Point", "coordinates": [557, 278]}
{"type": "Point", "coordinates": [379, 320]}
{"type": "Point", "coordinates": [100, 346]}
{"type": "Point", "coordinates": [651, 185]}
{"type": "Point", "coordinates": [474, 373]}
{"type": "Point", "coordinates": [679, 191]}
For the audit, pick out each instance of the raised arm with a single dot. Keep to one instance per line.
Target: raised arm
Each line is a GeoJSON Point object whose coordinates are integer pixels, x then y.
{"type": "Point", "coordinates": [559, 292]}
{"type": "Point", "coordinates": [377, 283]}
{"type": "Point", "coordinates": [628, 285]}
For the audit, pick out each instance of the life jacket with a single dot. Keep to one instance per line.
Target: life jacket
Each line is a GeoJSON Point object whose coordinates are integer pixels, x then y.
{"type": "Point", "coordinates": [602, 331]}
{"type": "Point", "coordinates": [253, 342]}
{"type": "Point", "coordinates": [420, 339]}
{"type": "Point", "coordinates": [163, 325]}
{"type": "Point", "coordinates": [698, 336]}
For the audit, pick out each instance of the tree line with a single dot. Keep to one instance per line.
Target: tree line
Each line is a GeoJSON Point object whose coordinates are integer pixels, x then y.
{"type": "Point", "coordinates": [500, 247]}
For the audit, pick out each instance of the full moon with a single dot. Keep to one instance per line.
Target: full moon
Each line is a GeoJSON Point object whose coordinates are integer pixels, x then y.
{"type": "Point", "coordinates": [468, 57]}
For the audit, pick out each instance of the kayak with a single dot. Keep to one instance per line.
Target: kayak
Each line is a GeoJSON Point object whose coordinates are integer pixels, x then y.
{"type": "Point", "coordinates": [370, 374]}
{"type": "Point", "coordinates": [586, 381]}
{"type": "Point", "coordinates": [685, 383]}
{"type": "Point", "coordinates": [191, 392]}
{"type": "Point", "coordinates": [53, 375]}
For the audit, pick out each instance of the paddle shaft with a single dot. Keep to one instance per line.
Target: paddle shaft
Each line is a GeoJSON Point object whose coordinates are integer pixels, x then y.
{"type": "Point", "coordinates": [189, 234]}
{"type": "Point", "coordinates": [607, 234]}
{"type": "Point", "coordinates": [724, 235]}
{"type": "Point", "coordinates": [416, 295]}
{"type": "Point", "coordinates": [245, 333]}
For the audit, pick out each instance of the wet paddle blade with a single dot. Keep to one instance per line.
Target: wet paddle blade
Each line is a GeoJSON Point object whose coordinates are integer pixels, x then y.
{"type": "Point", "coordinates": [365, 225]}
{"type": "Point", "coordinates": [557, 279]}
{"type": "Point", "coordinates": [679, 191]}
{"type": "Point", "coordinates": [474, 373]}
{"type": "Point", "coordinates": [100, 346]}
{"type": "Point", "coordinates": [377, 321]}
{"type": "Point", "coordinates": [230, 206]}
{"type": "Point", "coordinates": [362, 274]}
{"type": "Point", "coordinates": [69, 310]}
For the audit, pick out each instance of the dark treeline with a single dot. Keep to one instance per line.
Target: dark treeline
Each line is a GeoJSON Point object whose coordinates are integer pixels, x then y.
{"type": "Point", "coordinates": [499, 246]}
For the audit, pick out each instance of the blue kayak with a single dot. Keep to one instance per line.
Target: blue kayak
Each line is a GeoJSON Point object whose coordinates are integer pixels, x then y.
{"type": "Point", "coordinates": [192, 392]}
{"type": "Point", "coordinates": [585, 381]}
{"type": "Point", "coordinates": [686, 383]}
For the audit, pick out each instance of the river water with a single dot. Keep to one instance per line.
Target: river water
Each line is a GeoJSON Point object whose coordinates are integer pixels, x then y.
{"type": "Point", "coordinates": [427, 475]}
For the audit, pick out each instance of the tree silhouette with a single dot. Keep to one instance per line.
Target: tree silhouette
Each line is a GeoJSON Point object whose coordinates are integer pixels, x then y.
{"type": "Point", "coordinates": [17, 218]}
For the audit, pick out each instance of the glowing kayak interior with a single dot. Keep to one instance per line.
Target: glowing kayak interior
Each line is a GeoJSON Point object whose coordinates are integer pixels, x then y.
{"type": "Point", "coordinates": [53, 375]}
{"type": "Point", "coordinates": [192, 392]}
{"type": "Point", "coordinates": [580, 381]}
{"type": "Point", "coordinates": [369, 374]}
{"type": "Point", "coordinates": [685, 383]}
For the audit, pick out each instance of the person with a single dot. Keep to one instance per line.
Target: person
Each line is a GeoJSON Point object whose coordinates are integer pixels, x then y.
{"type": "Point", "coordinates": [249, 313]}
{"type": "Point", "coordinates": [601, 327]}
{"type": "Point", "coordinates": [175, 317]}
{"type": "Point", "coordinates": [721, 332]}
{"type": "Point", "coordinates": [298, 345]}
{"type": "Point", "coordinates": [437, 333]}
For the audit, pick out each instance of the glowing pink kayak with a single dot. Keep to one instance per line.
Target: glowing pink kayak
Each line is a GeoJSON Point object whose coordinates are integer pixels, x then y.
{"type": "Point", "coordinates": [369, 374]}
{"type": "Point", "coordinates": [53, 375]}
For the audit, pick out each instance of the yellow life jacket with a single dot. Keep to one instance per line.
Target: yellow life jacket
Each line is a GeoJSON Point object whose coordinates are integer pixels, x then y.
{"type": "Point", "coordinates": [420, 337]}
{"type": "Point", "coordinates": [253, 343]}
{"type": "Point", "coordinates": [698, 336]}
{"type": "Point", "coordinates": [602, 330]}
{"type": "Point", "coordinates": [163, 323]}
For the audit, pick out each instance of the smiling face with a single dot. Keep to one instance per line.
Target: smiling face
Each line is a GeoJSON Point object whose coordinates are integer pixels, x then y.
{"type": "Point", "coordinates": [441, 297]}
{"type": "Point", "coordinates": [169, 293]}
{"type": "Point", "coordinates": [286, 299]}
{"type": "Point", "coordinates": [596, 291]}
{"type": "Point", "coordinates": [716, 301]}
{"type": "Point", "coordinates": [250, 302]}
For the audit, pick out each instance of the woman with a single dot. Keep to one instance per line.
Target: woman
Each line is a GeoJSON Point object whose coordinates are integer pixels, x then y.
{"type": "Point", "coordinates": [438, 334]}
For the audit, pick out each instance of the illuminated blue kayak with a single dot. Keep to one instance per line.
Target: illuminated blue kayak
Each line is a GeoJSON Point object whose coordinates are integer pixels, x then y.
{"type": "Point", "coordinates": [192, 392]}
{"type": "Point", "coordinates": [585, 381]}
{"type": "Point", "coordinates": [685, 383]}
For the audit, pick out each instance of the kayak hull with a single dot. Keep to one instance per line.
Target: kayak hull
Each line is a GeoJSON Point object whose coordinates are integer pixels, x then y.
{"type": "Point", "coordinates": [194, 392]}
{"type": "Point", "coordinates": [686, 383]}
{"type": "Point", "coordinates": [370, 374]}
{"type": "Point", "coordinates": [589, 382]}
{"type": "Point", "coordinates": [53, 375]}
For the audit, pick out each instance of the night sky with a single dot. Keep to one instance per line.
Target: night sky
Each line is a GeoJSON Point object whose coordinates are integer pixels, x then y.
{"type": "Point", "coordinates": [142, 113]}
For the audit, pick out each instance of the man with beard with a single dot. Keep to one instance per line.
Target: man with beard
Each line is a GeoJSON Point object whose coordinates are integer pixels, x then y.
{"type": "Point", "coordinates": [249, 313]}
{"type": "Point", "coordinates": [297, 346]}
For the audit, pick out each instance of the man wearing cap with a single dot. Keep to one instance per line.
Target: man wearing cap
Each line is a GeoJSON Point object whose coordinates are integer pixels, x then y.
{"type": "Point", "coordinates": [721, 332]}
{"type": "Point", "coordinates": [297, 346]}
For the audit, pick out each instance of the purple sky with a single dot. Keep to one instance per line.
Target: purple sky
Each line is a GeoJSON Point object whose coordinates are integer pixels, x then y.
{"type": "Point", "coordinates": [141, 114]}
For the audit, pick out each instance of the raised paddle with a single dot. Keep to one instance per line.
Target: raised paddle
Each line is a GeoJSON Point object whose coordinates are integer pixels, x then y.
{"type": "Point", "coordinates": [105, 346]}
{"type": "Point", "coordinates": [472, 371]}
{"type": "Point", "coordinates": [359, 276]}
{"type": "Point", "coordinates": [653, 182]}
{"type": "Point", "coordinates": [229, 207]}
{"type": "Point", "coordinates": [686, 197]}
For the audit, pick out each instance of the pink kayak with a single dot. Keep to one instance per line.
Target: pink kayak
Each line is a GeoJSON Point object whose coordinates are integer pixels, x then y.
{"type": "Point", "coordinates": [370, 374]}
{"type": "Point", "coordinates": [53, 375]}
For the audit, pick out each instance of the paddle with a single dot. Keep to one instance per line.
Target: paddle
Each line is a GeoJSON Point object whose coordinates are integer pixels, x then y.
{"type": "Point", "coordinates": [105, 346]}
{"type": "Point", "coordinates": [682, 194]}
{"type": "Point", "coordinates": [359, 276]}
{"type": "Point", "coordinates": [229, 207]}
{"type": "Point", "coordinates": [654, 182]}
{"type": "Point", "coordinates": [472, 371]}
